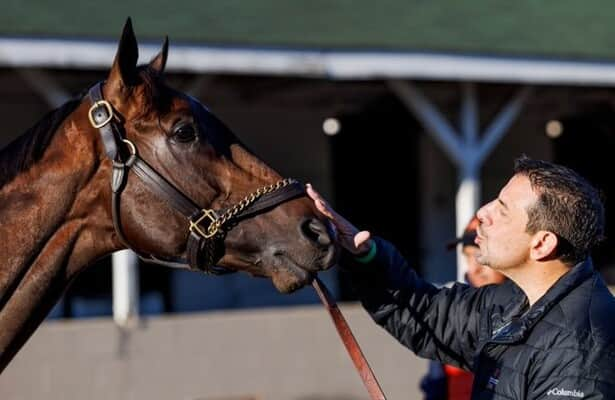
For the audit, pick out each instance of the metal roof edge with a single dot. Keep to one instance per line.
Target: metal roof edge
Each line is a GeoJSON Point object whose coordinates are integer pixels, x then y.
{"type": "Point", "coordinates": [331, 64]}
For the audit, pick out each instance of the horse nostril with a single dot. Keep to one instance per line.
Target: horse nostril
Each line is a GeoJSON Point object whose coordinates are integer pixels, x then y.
{"type": "Point", "coordinates": [316, 232]}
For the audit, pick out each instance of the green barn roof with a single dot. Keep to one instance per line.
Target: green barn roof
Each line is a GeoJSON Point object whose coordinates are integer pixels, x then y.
{"type": "Point", "coordinates": [560, 29]}
{"type": "Point", "coordinates": [495, 40]}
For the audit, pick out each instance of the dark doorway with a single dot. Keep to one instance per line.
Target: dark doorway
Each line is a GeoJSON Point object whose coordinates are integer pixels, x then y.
{"type": "Point", "coordinates": [375, 171]}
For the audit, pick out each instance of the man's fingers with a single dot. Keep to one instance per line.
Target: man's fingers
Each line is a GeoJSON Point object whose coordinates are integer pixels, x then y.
{"type": "Point", "coordinates": [322, 207]}
{"type": "Point", "coordinates": [314, 195]}
{"type": "Point", "coordinates": [349, 236]}
{"type": "Point", "coordinates": [361, 240]}
{"type": "Point", "coordinates": [320, 203]}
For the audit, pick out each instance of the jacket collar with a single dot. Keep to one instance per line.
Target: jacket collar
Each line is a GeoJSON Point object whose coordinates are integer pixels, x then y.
{"type": "Point", "coordinates": [509, 326]}
{"type": "Point", "coordinates": [564, 285]}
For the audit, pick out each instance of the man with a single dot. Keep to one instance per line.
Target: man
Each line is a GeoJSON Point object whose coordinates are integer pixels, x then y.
{"type": "Point", "coordinates": [548, 332]}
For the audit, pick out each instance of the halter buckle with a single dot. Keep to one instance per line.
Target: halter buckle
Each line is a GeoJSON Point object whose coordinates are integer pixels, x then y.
{"type": "Point", "coordinates": [194, 225]}
{"type": "Point", "coordinates": [108, 109]}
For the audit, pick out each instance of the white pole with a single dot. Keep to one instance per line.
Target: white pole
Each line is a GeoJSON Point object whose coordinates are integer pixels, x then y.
{"type": "Point", "coordinates": [467, 199]}
{"type": "Point", "coordinates": [125, 287]}
{"type": "Point", "coordinates": [502, 122]}
{"type": "Point", "coordinates": [467, 202]}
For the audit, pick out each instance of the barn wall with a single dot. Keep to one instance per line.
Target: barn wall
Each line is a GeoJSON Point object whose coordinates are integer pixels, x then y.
{"type": "Point", "coordinates": [283, 354]}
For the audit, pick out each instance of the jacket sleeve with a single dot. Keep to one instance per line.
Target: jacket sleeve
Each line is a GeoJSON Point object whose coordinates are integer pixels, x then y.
{"type": "Point", "coordinates": [435, 323]}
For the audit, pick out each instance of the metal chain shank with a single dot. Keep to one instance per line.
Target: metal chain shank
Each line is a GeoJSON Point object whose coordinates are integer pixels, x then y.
{"type": "Point", "coordinates": [217, 223]}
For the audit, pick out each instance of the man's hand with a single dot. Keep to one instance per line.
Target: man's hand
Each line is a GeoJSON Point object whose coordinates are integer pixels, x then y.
{"type": "Point", "coordinates": [349, 237]}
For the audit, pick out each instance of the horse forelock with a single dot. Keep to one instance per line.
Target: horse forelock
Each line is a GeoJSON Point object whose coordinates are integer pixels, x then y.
{"type": "Point", "coordinates": [28, 148]}
{"type": "Point", "coordinates": [156, 94]}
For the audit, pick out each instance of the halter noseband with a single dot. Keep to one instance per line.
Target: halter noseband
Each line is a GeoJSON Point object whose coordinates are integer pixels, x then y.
{"type": "Point", "coordinates": [206, 227]}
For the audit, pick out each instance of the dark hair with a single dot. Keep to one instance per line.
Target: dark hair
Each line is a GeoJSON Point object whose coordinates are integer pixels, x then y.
{"type": "Point", "coordinates": [567, 205]}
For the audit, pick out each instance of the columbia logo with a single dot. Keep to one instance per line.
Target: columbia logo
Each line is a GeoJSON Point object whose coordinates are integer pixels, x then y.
{"type": "Point", "coordinates": [565, 393]}
{"type": "Point", "coordinates": [492, 383]}
{"type": "Point", "coordinates": [493, 380]}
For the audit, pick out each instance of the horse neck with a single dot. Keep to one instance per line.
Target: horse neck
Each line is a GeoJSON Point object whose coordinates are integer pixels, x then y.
{"type": "Point", "coordinates": [54, 221]}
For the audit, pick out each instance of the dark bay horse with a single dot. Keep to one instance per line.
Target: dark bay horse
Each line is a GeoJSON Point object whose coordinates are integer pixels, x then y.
{"type": "Point", "coordinates": [136, 164]}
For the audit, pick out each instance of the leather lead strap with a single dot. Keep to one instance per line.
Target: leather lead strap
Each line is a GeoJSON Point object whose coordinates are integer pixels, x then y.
{"type": "Point", "coordinates": [351, 344]}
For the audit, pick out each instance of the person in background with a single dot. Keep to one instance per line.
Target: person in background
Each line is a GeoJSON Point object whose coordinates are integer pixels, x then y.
{"type": "Point", "coordinates": [444, 381]}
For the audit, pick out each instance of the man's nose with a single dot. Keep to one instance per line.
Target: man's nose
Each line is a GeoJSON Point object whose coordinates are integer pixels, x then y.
{"type": "Point", "coordinates": [480, 214]}
{"type": "Point", "coordinates": [483, 214]}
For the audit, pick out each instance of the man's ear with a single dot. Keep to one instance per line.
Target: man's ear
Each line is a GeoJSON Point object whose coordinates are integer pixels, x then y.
{"type": "Point", "coordinates": [543, 246]}
{"type": "Point", "coordinates": [123, 73]}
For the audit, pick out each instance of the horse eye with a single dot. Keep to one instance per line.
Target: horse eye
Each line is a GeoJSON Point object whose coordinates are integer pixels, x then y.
{"type": "Point", "coordinates": [184, 133]}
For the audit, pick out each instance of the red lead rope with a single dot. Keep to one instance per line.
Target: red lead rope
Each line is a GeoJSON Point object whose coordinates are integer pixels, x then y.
{"type": "Point", "coordinates": [360, 363]}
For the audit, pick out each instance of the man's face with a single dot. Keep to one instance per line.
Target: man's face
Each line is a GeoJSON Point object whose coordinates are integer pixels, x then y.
{"type": "Point", "coordinates": [479, 275]}
{"type": "Point", "coordinates": [501, 236]}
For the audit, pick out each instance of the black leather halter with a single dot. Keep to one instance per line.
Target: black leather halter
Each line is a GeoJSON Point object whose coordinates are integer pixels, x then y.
{"type": "Point", "coordinates": [206, 227]}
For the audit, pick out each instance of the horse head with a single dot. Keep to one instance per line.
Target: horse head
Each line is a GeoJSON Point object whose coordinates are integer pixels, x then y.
{"type": "Point", "coordinates": [187, 192]}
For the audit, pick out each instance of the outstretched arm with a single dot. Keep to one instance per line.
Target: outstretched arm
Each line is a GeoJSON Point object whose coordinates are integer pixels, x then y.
{"type": "Point", "coordinates": [434, 323]}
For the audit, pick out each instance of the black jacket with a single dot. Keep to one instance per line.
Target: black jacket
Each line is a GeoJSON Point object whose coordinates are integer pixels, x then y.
{"type": "Point", "coordinates": [563, 347]}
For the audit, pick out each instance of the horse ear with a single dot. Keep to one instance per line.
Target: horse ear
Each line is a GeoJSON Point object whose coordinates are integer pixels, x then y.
{"type": "Point", "coordinates": [160, 61]}
{"type": "Point", "coordinates": [124, 70]}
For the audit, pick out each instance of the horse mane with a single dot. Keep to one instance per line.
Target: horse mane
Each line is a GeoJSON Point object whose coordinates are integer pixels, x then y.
{"type": "Point", "coordinates": [28, 148]}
